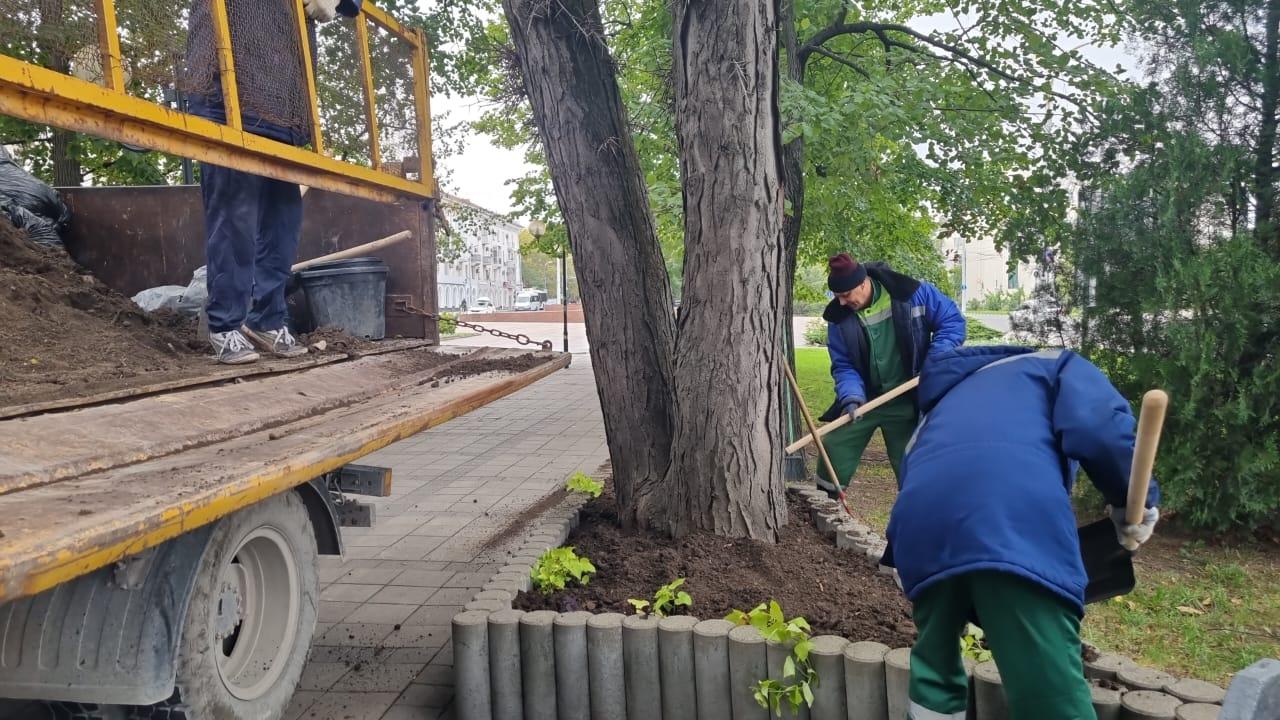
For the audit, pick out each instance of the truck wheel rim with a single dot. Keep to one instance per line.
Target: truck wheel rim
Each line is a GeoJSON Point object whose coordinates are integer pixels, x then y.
{"type": "Point", "coordinates": [262, 579]}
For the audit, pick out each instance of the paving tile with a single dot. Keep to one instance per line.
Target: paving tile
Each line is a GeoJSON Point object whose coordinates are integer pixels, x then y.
{"type": "Point", "coordinates": [372, 575]}
{"type": "Point", "coordinates": [418, 636]}
{"type": "Point", "coordinates": [426, 696]}
{"type": "Point", "coordinates": [350, 706]}
{"type": "Point", "coordinates": [349, 593]}
{"type": "Point", "coordinates": [321, 676]}
{"type": "Point", "coordinates": [343, 654]}
{"type": "Point", "coordinates": [381, 613]}
{"type": "Point", "coordinates": [404, 595]}
{"type": "Point", "coordinates": [433, 615]}
{"type": "Point", "coordinates": [436, 675]}
{"type": "Point", "coordinates": [468, 580]}
{"type": "Point", "coordinates": [409, 712]}
{"type": "Point", "coordinates": [334, 612]}
{"type": "Point", "coordinates": [423, 578]}
{"type": "Point", "coordinates": [451, 596]}
{"type": "Point", "coordinates": [378, 677]}
{"type": "Point", "coordinates": [357, 634]}
{"type": "Point", "coordinates": [351, 541]}
{"type": "Point", "coordinates": [302, 699]}
{"type": "Point", "coordinates": [405, 655]}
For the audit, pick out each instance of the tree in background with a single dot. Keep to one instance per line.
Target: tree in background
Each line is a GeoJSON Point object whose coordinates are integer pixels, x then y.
{"type": "Point", "coordinates": [1177, 250]}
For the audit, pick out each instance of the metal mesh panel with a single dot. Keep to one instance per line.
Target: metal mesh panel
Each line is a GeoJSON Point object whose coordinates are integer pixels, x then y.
{"type": "Point", "coordinates": [341, 91]}
{"type": "Point", "coordinates": [60, 35]}
{"type": "Point", "coordinates": [268, 61]}
{"type": "Point", "coordinates": [393, 84]}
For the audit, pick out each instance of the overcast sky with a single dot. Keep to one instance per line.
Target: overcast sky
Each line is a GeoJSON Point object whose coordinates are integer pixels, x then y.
{"type": "Point", "coordinates": [481, 171]}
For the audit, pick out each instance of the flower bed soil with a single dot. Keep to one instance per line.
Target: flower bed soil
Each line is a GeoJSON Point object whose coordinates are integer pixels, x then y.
{"type": "Point", "coordinates": [837, 591]}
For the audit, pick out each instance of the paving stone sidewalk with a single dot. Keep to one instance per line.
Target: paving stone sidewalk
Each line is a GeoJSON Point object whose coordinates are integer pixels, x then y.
{"type": "Point", "coordinates": [382, 645]}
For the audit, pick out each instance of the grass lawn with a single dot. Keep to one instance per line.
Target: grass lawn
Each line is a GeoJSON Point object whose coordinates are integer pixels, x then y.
{"type": "Point", "coordinates": [1202, 610]}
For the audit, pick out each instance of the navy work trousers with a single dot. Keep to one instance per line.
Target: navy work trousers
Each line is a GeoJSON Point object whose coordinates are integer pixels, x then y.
{"type": "Point", "coordinates": [252, 225]}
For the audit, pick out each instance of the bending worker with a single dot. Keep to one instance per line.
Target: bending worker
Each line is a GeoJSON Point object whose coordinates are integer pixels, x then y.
{"type": "Point", "coordinates": [252, 223]}
{"type": "Point", "coordinates": [983, 524]}
{"type": "Point", "coordinates": [881, 326]}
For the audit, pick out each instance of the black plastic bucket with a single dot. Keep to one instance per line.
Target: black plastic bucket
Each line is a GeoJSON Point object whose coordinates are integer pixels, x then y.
{"type": "Point", "coordinates": [348, 294]}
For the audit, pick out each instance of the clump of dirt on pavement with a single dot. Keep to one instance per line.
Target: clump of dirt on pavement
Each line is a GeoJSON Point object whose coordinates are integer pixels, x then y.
{"type": "Point", "coordinates": [835, 590]}
{"type": "Point", "coordinates": [62, 332]}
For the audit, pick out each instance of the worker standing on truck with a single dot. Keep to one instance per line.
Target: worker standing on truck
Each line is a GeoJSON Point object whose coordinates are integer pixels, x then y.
{"type": "Point", "coordinates": [983, 523]}
{"type": "Point", "coordinates": [880, 327]}
{"type": "Point", "coordinates": [252, 223]}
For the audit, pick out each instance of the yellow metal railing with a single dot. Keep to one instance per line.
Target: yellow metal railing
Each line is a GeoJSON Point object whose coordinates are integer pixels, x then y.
{"type": "Point", "coordinates": [45, 96]}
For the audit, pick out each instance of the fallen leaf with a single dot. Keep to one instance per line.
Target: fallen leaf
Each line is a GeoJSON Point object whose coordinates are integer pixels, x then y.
{"type": "Point", "coordinates": [1237, 602]}
{"type": "Point", "coordinates": [1188, 610]}
{"type": "Point", "coordinates": [1207, 602]}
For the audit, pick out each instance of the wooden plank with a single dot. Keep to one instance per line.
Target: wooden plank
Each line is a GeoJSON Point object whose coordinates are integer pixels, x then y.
{"type": "Point", "coordinates": [217, 374]}
{"type": "Point", "coordinates": [108, 436]}
{"type": "Point", "coordinates": [55, 533]}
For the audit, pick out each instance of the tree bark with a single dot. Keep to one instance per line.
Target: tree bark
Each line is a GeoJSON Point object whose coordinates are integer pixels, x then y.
{"type": "Point", "coordinates": [726, 470]}
{"type": "Point", "coordinates": [570, 80]}
{"type": "Point", "coordinates": [793, 183]}
{"type": "Point", "coordinates": [1264, 173]}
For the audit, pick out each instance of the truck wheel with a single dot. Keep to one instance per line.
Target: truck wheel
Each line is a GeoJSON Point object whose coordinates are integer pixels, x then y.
{"type": "Point", "coordinates": [252, 615]}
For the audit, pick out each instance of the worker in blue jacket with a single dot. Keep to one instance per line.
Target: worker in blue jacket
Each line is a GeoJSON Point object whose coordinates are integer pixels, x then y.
{"type": "Point", "coordinates": [252, 223]}
{"type": "Point", "coordinates": [983, 522]}
{"type": "Point", "coordinates": [880, 327]}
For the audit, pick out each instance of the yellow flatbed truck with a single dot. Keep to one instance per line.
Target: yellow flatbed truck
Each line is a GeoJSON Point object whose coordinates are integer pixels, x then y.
{"type": "Point", "coordinates": [162, 548]}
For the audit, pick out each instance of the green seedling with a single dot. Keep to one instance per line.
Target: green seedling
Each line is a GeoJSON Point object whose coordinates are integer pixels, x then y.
{"type": "Point", "coordinates": [667, 598]}
{"type": "Point", "coordinates": [798, 676]}
{"type": "Point", "coordinates": [583, 483]}
{"type": "Point", "coordinates": [972, 646]}
{"type": "Point", "coordinates": [557, 566]}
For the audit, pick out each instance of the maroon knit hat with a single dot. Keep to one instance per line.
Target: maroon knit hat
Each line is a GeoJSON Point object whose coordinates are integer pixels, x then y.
{"type": "Point", "coordinates": [845, 273]}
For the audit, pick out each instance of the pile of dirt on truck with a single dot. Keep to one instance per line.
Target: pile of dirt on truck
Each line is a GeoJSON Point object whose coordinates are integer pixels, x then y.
{"type": "Point", "coordinates": [63, 333]}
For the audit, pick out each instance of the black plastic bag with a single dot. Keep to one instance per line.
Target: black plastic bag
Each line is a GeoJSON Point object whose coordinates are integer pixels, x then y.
{"type": "Point", "coordinates": [30, 204]}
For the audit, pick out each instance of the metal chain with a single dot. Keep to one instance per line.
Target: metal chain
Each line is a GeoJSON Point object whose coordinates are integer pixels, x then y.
{"type": "Point", "coordinates": [520, 338]}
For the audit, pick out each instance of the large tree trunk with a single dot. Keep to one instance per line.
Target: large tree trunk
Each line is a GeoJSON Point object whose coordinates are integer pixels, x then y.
{"type": "Point", "coordinates": [1264, 173]}
{"type": "Point", "coordinates": [626, 298]}
{"type": "Point", "coordinates": [726, 470]}
{"type": "Point", "coordinates": [793, 184]}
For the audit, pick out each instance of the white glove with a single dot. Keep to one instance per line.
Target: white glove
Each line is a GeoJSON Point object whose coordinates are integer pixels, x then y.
{"type": "Point", "coordinates": [321, 10]}
{"type": "Point", "coordinates": [1132, 536]}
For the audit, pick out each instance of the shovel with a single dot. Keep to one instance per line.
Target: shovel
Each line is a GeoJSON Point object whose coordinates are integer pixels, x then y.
{"type": "Point", "coordinates": [1108, 565]}
{"type": "Point", "coordinates": [816, 436]}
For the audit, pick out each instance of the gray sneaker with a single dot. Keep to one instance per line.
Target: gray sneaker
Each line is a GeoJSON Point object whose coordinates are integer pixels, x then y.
{"type": "Point", "coordinates": [231, 348]}
{"type": "Point", "coordinates": [280, 343]}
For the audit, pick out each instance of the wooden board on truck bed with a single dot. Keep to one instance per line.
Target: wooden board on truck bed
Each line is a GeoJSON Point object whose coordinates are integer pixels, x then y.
{"type": "Point", "coordinates": [168, 463]}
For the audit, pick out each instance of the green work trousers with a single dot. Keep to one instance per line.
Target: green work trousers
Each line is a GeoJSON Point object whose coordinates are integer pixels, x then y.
{"type": "Point", "coordinates": [896, 421]}
{"type": "Point", "coordinates": [1034, 637]}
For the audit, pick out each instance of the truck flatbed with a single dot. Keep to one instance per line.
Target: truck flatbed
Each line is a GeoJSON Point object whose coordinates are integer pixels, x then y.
{"type": "Point", "coordinates": [83, 488]}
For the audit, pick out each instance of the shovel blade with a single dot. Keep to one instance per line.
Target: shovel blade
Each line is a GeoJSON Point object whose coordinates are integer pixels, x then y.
{"type": "Point", "coordinates": [1108, 565]}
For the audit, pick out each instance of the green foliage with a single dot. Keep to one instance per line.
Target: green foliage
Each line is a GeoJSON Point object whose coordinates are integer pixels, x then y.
{"type": "Point", "coordinates": [798, 676]}
{"type": "Point", "coordinates": [972, 644]}
{"type": "Point", "coordinates": [1001, 301]}
{"type": "Point", "coordinates": [1178, 276]}
{"type": "Point", "coordinates": [585, 484]}
{"type": "Point", "coordinates": [815, 332]}
{"type": "Point", "coordinates": [557, 566]}
{"type": "Point", "coordinates": [448, 323]}
{"type": "Point", "coordinates": [665, 600]}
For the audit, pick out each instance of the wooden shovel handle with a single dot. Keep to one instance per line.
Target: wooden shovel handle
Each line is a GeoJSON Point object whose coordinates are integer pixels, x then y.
{"type": "Point", "coordinates": [355, 251]}
{"type": "Point", "coordinates": [1150, 423]}
{"type": "Point", "coordinates": [844, 419]}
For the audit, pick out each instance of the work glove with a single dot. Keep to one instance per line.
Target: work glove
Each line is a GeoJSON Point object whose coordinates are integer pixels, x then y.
{"type": "Point", "coordinates": [1133, 536]}
{"type": "Point", "coordinates": [321, 10]}
{"type": "Point", "coordinates": [851, 409]}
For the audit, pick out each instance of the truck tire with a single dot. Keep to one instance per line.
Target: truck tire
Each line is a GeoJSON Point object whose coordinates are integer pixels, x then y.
{"type": "Point", "coordinates": [252, 615]}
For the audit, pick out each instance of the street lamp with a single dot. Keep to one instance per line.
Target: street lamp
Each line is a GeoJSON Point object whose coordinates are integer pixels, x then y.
{"type": "Point", "coordinates": [537, 229]}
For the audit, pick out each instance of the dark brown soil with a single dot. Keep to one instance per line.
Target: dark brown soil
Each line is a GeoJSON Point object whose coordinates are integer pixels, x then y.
{"type": "Point", "coordinates": [471, 368]}
{"type": "Point", "coordinates": [836, 591]}
{"type": "Point", "coordinates": [64, 333]}
{"type": "Point", "coordinates": [521, 521]}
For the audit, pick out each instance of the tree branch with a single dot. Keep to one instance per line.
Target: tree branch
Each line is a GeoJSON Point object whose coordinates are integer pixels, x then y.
{"type": "Point", "coordinates": [882, 31]}
{"type": "Point", "coordinates": [843, 61]}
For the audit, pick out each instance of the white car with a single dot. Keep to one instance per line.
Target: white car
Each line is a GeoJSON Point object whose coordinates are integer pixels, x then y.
{"type": "Point", "coordinates": [483, 306]}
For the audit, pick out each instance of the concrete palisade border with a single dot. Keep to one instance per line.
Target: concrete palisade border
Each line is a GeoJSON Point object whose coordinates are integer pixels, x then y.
{"type": "Point", "coordinates": [513, 665]}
